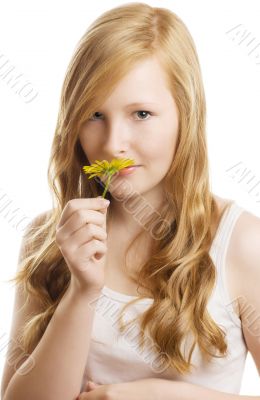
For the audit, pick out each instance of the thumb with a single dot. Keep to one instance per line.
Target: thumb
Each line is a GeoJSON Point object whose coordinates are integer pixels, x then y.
{"type": "Point", "coordinates": [103, 210]}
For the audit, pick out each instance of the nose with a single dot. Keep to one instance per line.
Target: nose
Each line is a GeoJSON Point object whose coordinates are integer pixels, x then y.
{"type": "Point", "coordinates": [117, 138]}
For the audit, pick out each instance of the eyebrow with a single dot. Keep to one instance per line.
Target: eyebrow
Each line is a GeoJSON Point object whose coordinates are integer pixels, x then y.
{"type": "Point", "coordinates": [137, 104]}
{"type": "Point", "coordinates": [140, 103]}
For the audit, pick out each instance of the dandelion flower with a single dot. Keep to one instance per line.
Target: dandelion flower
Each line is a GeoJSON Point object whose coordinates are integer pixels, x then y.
{"type": "Point", "coordinates": [100, 168]}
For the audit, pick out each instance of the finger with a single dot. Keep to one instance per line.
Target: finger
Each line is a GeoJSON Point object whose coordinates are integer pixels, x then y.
{"type": "Point", "coordinates": [91, 385]}
{"type": "Point", "coordinates": [78, 219]}
{"type": "Point", "coordinates": [86, 236]}
{"type": "Point", "coordinates": [104, 211]}
{"type": "Point", "coordinates": [75, 204]}
{"type": "Point", "coordinates": [82, 235]}
{"type": "Point", "coordinates": [95, 248]}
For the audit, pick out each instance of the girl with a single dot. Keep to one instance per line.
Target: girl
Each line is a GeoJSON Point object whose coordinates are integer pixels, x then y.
{"type": "Point", "coordinates": [134, 90]}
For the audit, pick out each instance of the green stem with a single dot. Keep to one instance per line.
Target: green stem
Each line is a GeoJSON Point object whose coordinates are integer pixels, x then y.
{"type": "Point", "coordinates": [107, 184]}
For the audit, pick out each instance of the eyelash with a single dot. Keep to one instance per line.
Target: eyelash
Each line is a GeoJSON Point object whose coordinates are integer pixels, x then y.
{"type": "Point", "coordinates": [147, 112]}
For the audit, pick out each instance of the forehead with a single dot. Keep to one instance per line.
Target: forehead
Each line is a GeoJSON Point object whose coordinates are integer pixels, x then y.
{"type": "Point", "coordinates": [145, 83]}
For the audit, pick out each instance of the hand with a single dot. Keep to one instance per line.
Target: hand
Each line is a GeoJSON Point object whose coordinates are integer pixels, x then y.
{"type": "Point", "coordinates": [81, 236]}
{"type": "Point", "coordinates": [143, 389]}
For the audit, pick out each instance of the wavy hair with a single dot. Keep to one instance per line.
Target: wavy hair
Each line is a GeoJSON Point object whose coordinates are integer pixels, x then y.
{"type": "Point", "coordinates": [179, 274]}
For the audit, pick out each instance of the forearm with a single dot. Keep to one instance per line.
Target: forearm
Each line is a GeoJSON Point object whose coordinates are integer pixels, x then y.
{"type": "Point", "coordinates": [168, 390]}
{"type": "Point", "coordinates": [60, 356]}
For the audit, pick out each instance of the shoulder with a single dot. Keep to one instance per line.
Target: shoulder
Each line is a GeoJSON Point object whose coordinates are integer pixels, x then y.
{"type": "Point", "coordinates": [245, 250]}
{"type": "Point", "coordinates": [245, 238]}
{"type": "Point", "coordinates": [246, 243]}
{"type": "Point", "coordinates": [244, 258]}
{"type": "Point", "coordinates": [243, 254]}
{"type": "Point", "coordinates": [38, 220]}
{"type": "Point", "coordinates": [33, 225]}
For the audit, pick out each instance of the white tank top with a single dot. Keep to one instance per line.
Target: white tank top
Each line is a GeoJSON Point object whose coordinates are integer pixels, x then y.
{"type": "Point", "coordinates": [116, 357]}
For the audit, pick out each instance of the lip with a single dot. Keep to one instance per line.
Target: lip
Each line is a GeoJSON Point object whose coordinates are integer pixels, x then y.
{"type": "Point", "coordinates": [128, 170]}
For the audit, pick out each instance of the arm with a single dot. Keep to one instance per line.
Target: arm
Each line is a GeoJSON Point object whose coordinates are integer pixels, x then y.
{"type": "Point", "coordinates": [60, 356]}
{"type": "Point", "coordinates": [171, 390]}
{"type": "Point", "coordinates": [156, 389]}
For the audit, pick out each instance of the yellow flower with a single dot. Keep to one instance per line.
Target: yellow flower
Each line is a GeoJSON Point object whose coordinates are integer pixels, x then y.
{"type": "Point", "coordinates": [99, 168]}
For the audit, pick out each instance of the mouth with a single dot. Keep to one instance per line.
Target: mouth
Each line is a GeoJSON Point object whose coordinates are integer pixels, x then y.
{"type": "Point", "coordinates": [128, 170]}
{"type": "Point", "coordinates": [132, 166]}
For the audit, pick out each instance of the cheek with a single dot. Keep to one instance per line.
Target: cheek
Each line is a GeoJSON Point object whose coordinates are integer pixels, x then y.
{"type": "Point", "coordinates": [160, 141]}
{"type": "Point", "coordinates": [161, 151]}
{"type": "Point", "coordinates": [88, 145]}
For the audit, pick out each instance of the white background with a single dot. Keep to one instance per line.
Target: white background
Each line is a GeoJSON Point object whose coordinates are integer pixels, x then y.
{"type": "Point", "coordinates": [38, 39]}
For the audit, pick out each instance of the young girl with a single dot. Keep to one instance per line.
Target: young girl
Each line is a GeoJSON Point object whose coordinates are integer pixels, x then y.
{"type": "Point", "coordinates": [134, 90]}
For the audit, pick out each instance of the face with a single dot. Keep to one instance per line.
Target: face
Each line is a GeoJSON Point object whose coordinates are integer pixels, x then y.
{"type": "Point", "coordinates": [145, 131]}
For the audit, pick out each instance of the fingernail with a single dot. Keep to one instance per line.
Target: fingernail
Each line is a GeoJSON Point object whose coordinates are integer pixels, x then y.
{"type": "Point", "coordinates": [106, 201]}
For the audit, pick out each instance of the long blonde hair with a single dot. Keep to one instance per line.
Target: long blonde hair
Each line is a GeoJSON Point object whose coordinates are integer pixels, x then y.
{"type": "Point", "coordinates": [179, 273]}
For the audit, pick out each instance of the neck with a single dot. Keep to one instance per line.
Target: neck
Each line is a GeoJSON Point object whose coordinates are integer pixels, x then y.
{"type": "Point", "coordinates": [134, 213]}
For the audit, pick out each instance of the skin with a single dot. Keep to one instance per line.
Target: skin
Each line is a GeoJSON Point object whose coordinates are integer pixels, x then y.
{"type": "Point", "coordinates": [120, 130]}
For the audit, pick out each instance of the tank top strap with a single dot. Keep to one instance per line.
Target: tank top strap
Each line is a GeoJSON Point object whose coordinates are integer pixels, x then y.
{"type": "Point", "coordinates": [218, 253]}
{"type": "Point", "coordinates": [225, 228]}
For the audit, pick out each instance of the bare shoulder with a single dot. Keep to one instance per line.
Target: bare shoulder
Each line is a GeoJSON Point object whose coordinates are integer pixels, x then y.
{"type": "Point", "coordinates": [246, 233]}
{"type": "Point", "coordinates": [242, 266]}
{"type": "Point", "coordinates": [245, 242]}
{"type": "Point", "coordinates": [39, 219]}
{"type": "Point", "coordinates": [222, 203]}
{"type": "Point", "coordinates": [243, 257]}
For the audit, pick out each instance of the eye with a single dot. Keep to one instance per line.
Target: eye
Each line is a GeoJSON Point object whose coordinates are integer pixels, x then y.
{"type": "Point", "coordinates": [92, 119]}
{"type": "Point", "coordinates": [143, 112]}
{"type": "Point", "coordinates": [96, 115]}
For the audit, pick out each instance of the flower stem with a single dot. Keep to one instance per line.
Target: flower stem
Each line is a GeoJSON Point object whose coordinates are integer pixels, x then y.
{"type": "Point", "coordinates": [107, 184]}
